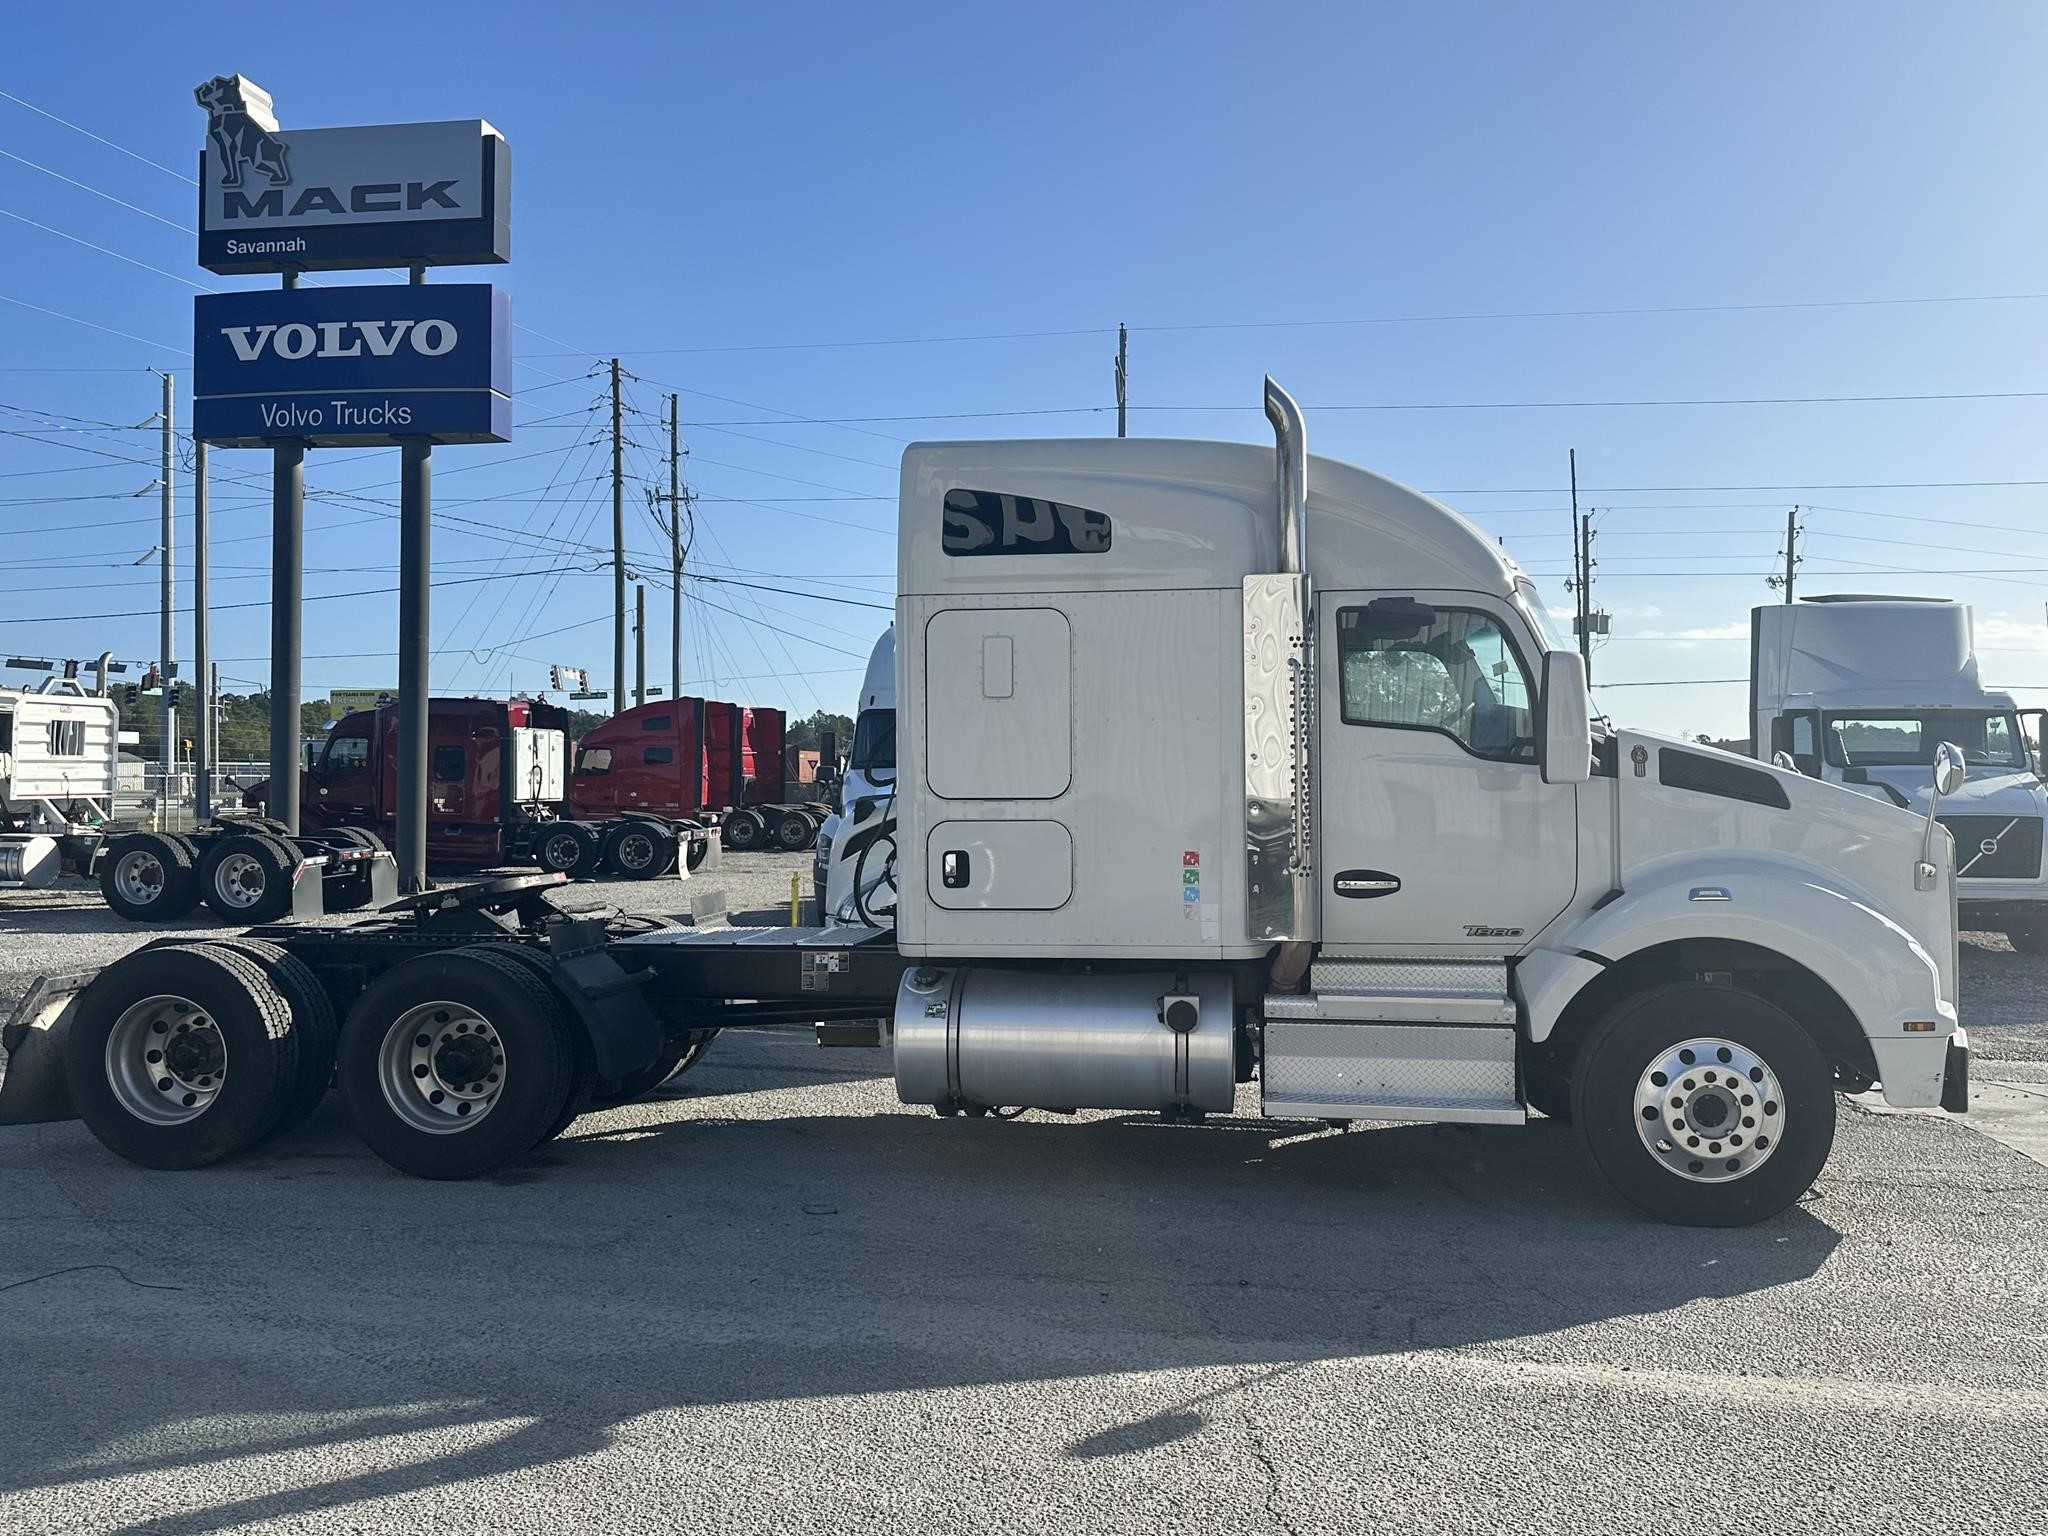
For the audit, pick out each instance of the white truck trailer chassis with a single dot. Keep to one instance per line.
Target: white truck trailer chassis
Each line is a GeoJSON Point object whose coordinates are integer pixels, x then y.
{"type": "Point", "coordinates": [1191, 795]}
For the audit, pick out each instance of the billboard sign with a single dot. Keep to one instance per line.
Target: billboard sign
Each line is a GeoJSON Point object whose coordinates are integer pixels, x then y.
{"type": "Point", "coordinates": [352, 367]}
{"type": "Point", "coordinates": [332, 199]}
{"type": "Point", "coordinates": [349, 701]}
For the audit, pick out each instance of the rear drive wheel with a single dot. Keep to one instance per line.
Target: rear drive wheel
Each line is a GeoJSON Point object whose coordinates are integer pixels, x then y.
{"type": "Point", "coordinates": [360, 837]}
{"type": "Point", "coordinates": [247, 878]}
{"type": "Point", "coordinates": [743, 830]}
{"type": "Point", "coordinates": [181, 1055]}
{"type": "Point", "coordinates": [1704, 1106]}
{"type": "Point", "coordinates": [149, 876]}
{"type": "Point", "coordinates": [639, 850]}
{"type": "Point", "coordinates": [455, 1064]}
{"type": "Point", "coordinates": [795, 831]}
{"type": "Point", "coordinates": [2029, 938]}
{"type": "Point", "coordinates": [672, 1063]}
{"type": "Point", "coordinates": [569, 848]}
{"type": "Point", "coordinates": [312, 1021]}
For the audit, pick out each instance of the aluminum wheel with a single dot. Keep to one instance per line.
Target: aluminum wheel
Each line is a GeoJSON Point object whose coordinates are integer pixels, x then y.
{"type": "Point", "coordinates": [166, 1060]}
{"type": "Point", "coordinates": [441, 1067]}
{"type": "Point", "coordinates": [240, 880]}
{"type": "Point", "coordinates": [634, 851]}
{"type": "Point", "coordinates": [139, 876]}
{"type": "Point", "coordinates": [1710, 1110]}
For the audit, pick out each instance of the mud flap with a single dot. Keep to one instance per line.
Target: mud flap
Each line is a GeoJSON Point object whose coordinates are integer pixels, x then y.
{"type": "Point", "coordinates": [32, 1085]}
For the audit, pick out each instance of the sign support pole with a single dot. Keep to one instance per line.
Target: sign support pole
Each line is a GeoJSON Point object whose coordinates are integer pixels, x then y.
{"type": "Point", "coordinates": [415, 604]}
{"type": "Point", "coordinates": [415, 531]}
{"type": "Point", "coordinates": [167, 639]}
{"type": "Point", "coordinates": [202, 645]}
{"type": "Point", "coordinates": [287, 563]}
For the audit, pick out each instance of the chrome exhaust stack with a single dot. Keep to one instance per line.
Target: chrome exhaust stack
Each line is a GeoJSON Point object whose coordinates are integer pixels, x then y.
{"type": "Point", "coordinates": [1280, 717]}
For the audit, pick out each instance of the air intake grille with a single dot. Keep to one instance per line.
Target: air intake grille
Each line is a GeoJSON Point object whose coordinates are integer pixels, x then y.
{"type": "Point", "coordinates": [2013, 844]}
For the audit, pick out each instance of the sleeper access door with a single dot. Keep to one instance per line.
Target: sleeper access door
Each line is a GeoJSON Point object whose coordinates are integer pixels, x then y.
{"type": "Point", "coordinates": [1437, 832]}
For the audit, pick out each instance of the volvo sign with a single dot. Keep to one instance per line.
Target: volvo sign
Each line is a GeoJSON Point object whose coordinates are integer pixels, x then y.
{"type": "Point", "coordinates": [320, 199]}
{"type": "Point", "coordinates": [352, 367]}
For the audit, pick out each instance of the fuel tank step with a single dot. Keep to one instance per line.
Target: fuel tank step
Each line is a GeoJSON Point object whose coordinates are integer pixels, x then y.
{"type": "Point", "coordinates": [1389, 1071]}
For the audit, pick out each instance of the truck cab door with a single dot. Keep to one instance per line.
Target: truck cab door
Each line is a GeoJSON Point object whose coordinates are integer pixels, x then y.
{"type": "Point", "coordinates": [345, 782]}
{"type": "Point", "coordinates": [1436, 830]}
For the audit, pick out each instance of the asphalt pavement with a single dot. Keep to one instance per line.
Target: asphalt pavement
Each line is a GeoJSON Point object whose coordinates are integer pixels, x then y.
{"type": "Point", "coordinates": [773, 1299]}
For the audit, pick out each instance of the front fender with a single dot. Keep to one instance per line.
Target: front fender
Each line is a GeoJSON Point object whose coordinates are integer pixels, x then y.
{"type": "Point", "coordinates": [1882, 972]}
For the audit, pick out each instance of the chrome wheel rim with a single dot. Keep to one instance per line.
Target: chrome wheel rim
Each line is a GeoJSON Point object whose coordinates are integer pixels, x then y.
{"type": "Point", "coordinates": [441, 1067]}
{"type": "Point", "coordinates": [635, 851]}
{"type": "Point", "coordinates": [139, 876]}
{"type": "Point", "coordinates": [1710, 1110]}
{"type": "Point", "coordinates": [561, 852]}
{"type": "Point", "coordinates": [239, 880]}
{"type": "Point", "coordinates": [166, 1060]}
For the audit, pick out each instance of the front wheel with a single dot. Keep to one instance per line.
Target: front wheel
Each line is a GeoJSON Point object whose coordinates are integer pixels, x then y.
{"type": "Point", "coordinates": [1704, 1106]}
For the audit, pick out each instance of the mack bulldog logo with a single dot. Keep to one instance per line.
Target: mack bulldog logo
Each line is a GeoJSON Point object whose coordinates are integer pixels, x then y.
{"type": "Point", "coordinates": [242, 130]}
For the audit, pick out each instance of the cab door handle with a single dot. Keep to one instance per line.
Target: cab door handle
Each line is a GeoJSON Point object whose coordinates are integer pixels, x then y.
{"type": "Point", "coordinates": [953, 869]}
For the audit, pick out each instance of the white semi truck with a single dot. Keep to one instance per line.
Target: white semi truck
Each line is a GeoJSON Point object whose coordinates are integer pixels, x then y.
{"type": "Point", "coordinates": [59, 765]}
{"type": "Point", "coordinates": [1224, 777]}
{"type": "Point", "coordinates": [1860, 690]}
{"type": "Point", "coordinates": [855, 867]}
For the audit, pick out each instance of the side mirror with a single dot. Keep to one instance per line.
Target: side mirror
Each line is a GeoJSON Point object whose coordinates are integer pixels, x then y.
{"type": "Point", "coordinates": [1566, 748]}
{"type": "Point", "coordinates": [1949, 769]}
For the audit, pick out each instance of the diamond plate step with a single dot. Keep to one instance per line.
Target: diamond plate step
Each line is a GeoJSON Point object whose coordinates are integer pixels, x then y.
{"type": "Point", "coordinates": [1401, 991]}
{"type": "Point", "coordinates": [1431, 1072]}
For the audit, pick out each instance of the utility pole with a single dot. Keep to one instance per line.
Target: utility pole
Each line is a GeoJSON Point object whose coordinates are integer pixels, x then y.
{"type": "Point", "coordinates": [1123, 379]}
{"type": "Point", "coordinates": [640, 643]}
{"type": "Point", "coordinates": [675, 545]}
{"type": "Point", "coordinates": [202, 645]}
{"type": "Point", "coordinates": [1792, 555]}
{"type": "Point", "coordinates": [618, 549]}
{"type": "Point", "coordinates": [1581, 577]}
{"type": "Point", "coordinates": [287, 618]}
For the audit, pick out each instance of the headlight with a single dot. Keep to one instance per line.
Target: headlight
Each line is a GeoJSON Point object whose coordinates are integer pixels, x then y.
{"type": "Point", "coordinates": [824, 848]}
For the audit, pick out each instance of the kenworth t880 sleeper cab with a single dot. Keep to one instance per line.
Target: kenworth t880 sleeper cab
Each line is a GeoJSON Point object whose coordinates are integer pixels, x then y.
{"type": "Point", "coordinates": [1215, 765]}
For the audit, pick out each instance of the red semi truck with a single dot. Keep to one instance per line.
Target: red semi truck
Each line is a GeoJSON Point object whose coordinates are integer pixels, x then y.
{"type": "Point", "coordinates": [499, 791]}
{"type": "Point", "coordinates": [644, 759]}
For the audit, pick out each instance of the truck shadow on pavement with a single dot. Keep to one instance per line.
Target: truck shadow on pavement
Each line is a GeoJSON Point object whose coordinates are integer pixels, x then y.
{"type": "Point", "coordinates": [701, 1252]}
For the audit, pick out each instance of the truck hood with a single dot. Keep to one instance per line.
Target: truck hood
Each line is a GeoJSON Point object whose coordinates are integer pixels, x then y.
{"type": "Point", "coordinates": [1986, 792]}
{"type": "Point", "coordinates": [1688, 811]}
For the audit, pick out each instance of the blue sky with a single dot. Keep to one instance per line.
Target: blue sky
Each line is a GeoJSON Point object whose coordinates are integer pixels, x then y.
{"type": "Point", "coordinates": [737, 200]}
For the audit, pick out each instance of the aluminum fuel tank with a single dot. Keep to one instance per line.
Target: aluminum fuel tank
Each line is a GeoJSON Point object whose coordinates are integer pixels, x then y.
{"type": "Point", "coordinates": [1046, 1040]}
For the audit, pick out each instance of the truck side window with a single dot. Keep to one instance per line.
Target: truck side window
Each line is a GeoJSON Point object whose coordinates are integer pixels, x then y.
{"type": "Point", "coordinates": [592, 761]}
{"type": "Point", "coordinates": [448, 762]}
{"type": "Point", "coordinates": [348, 754]}
{"type": "Point", "coordinates": [6, 733]}
{"type": "Point", "coordinates": [1459, 674]}
{"type": "Point", "coordinates": [661, 755]}
{"type": "Point", "coordinates": [658, 723]}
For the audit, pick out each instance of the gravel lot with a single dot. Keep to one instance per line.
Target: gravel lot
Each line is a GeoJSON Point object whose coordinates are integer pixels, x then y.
{"type": "Point", "coordinates": [772, 1298]}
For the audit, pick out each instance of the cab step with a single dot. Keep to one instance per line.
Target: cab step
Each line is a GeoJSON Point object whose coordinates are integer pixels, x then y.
{"type": "Point", "coordinates": [1416, 991]}
{"type": "Point", "coordinates": [1378, 1070]}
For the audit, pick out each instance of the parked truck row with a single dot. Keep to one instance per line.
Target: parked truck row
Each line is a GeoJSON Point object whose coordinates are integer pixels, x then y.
{"type": "Point", "coordinates": [1219, 771]}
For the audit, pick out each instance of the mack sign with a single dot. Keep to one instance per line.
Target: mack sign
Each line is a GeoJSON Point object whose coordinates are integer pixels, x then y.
{"type": "Point", "coordinates": [320, 199]}
{"type": "Point", "coordinates": [352, 367]}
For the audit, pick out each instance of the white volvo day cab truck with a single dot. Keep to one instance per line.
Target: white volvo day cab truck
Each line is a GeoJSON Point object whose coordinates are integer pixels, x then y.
{"type": "Point", "coordinates": [1860, 690]}
{"type": "Point", "coordinates": [60, 762]}
{"type": "Point", "coordinates": [1226, 778]}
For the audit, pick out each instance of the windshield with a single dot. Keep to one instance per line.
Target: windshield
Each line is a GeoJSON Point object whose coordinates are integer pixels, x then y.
{"type": "Point", "coordinates": [874, 742]}
{"type": "Point", "coordinates": [1890, 739]}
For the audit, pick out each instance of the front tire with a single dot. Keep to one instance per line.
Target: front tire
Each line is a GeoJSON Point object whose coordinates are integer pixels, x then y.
{"type": "Point", "coordinates": [455, 1064]}
{"type": "Point", "coordinates": [1704, 1106]}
